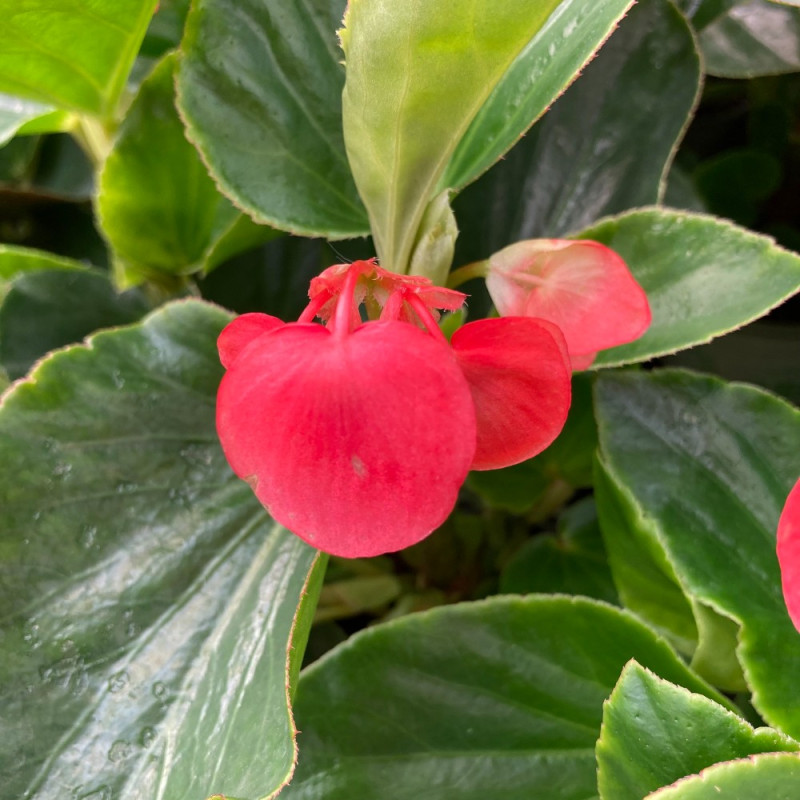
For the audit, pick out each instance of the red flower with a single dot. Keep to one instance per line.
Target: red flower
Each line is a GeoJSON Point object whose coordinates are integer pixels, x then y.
{"type": "Point", "coordinates": [581, 286]}
{"type": "Point", "coordinates": [358, 435]}
{"type": "Point", "coordinates": [789, 553]}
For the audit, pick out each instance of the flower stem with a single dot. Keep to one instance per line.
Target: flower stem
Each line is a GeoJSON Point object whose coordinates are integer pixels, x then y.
{"type": "Point", "coordinates": [477, 269]}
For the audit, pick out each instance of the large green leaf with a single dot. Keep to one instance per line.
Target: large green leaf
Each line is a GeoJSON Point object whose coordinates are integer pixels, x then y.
{"type": "Point", "coordinates": [604, 147]}
{"type": "Point", "coordinates": [751, 39]}
{"type": "Point", "coordinates": [703, 277]}
{"type": "Point", "coordinates": [707, 466]}
{"type": "Point", "coordinates": [655, 732]}
{"type": "Point", "coordinates": [148, 600]}
{"type": "Point", "coordinates": [501, 699]}
{"type": "Point", "coordinates": [418, 74]}
{"type": "Point", "coordinates": [774, 776]}
{"type": "Point", "coordinates": [74, 55]}
{"type": "Point", "coordinates": [15, 260]}
{"type": "Point", "coordinates": [158, 207]}
{"type": "Point", "coordinates": [259, 87]}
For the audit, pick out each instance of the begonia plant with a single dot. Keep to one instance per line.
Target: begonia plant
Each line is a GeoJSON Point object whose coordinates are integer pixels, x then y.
{"type": "Point", "coordinates": [399, 399]}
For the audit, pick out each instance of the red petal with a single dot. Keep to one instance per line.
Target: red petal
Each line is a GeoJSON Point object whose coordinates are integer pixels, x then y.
{"type": "Point", "coordinates": [518, 371]}
{"type": "Point", "coordinates": [238, 334]}
{"type": "Point", "coordinates": [789, 553]}
{"type": "Point", "coordinates": [358, 443]}
{"type": "Point", "coordinates": [583, 287]}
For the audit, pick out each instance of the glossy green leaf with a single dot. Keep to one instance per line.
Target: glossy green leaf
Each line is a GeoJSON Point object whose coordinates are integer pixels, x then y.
{"type": "Point", "coordinates": [604, 147]}
{"type": "Point", "coordinates": [706, 467]}
{"type": "Point", "coordinates": [419, 74]}
{"type": "Point", "coordinates": [655, 733]}
{"type": "Point", "coordinates": [703, 277]}
{"type": "Point", "coordinates": [572, 561]}
{"type": "Point", "coordinates": [51, 308]}
{"type": "Point", "coordinates": [774, 776]}
{"type": "Point", "coordinates": [148, 599]}
{"type": "Point", "coordinates": [501, 699]}
{"type": "Point", "coordinates": [158, 207]}
{"type": "Point", "coordinates": [259, 87]}
{"type": "Point", "coordinates": [27, 116]}
{"type": "Point", "coordinates": [752, 39]}
{"type": "Point", "coordinates": [74, 55]}
{"type": "Point", "coordinates": [15, 260]}
{"type": "Point", "coordinates": [704, 12]}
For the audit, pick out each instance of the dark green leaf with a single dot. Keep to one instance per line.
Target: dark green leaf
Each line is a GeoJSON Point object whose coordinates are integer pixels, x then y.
{"type": "Point", "coordinates": [71, 55]}
{"type": "Point", "coordinates": [604, 146]}
{"type": "Point", "coordinates": [705, 468]}
{"type": "Point", "coordinates": [148, 599]}
{"type": "Point", "coordinates": [51, 308]}
{"type": "Point", "coordinates": [500, 699]}
{"type": "Point", "coordinates": [259, 87]}
{"type": "Point", "coordinates": [703, 277]}
{"type": "Point", "coordinates": [655, 732]}
{"type": "Point", "coordinates": [158, 207]}
{"type": "Point", "coordinates": [572, 561]}
{"type": "Point", "coordinates": [752, 39]}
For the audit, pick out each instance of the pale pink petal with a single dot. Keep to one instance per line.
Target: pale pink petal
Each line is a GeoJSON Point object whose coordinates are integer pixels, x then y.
{"type": "Point", "coordinates": [789, 553]}
{"type": "Point", "coordinates": [357, 443]}
{"type": "Point", "coordinates": [518, 371]}
{"type": "Point", "coordinates": [237, 334]}
{"type": "Point", "coordinates": [582, 286]}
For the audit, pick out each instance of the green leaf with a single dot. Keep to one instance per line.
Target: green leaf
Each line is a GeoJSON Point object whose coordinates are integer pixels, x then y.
{"type": "Point", "coordinates": [418, 74]}
{"type": "Point", "coordinates": [259, 87]}
{"type": "Point", "coordinates": [148, 599]}
{"type": "Point", "coordinates": [707, 466]}
{"type": "Point", "coordinates": [51, 308]}
{"type": "Point", "coordinates": [655, 732]}
{"type": "Point", "coordinates": [16, 261]}
{"type": "Point", "coordinates": [501, 698]}
{"type": "Point", "coordinates": [704, 12]}
{"type": "Point", "coordinates": [157, 205]}
{"type": "Point", "coordinates": [71, 55]}
{"type": "Point", "coordinates": [604, 147]}
{"type": "Point", "coordinates": [752, 39]}
{"type": "Point", "coordinates": [776, 776]}
{"type": "Point", "coordinates": [572, 561]}
{"type": "Point", "coordinates": [26, 116]}
{"type": "Point", "coordinates": [703, 277]}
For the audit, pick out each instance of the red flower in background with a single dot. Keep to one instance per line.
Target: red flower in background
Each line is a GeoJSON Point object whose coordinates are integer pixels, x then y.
{"type": "Point", "coordinates": [789, 553]}
{"type": "Point", "coordinates": [358, 435]}
{"type": "Point", "coordinates": [582, 286]}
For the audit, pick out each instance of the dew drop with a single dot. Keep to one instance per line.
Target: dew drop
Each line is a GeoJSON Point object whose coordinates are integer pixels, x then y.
{"type": "Point", "coordinates": [159, 690]}
{"type": "Point", "coordinates": [147, 736]}
{"type": "Point", "coordinates": [87, 537]}
{"type": "Point", "coordinates": [118, 681]}
{"type": "Point", "coordinates": [119, 751]}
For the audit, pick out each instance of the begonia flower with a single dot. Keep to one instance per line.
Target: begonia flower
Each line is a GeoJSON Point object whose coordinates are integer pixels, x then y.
{"type": "Point", "coordinates": [789, 553]}
{"type": "Point", "coordinates": [582, 286]}
{"type": "Point", "coordinates": [358, 435]}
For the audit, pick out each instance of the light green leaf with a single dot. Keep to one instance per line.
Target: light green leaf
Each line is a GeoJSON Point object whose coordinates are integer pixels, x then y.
{"type": "Point", "coordinates": [15, 260]}
{"type": "Point", "coordinates": [655, 732]}
{"type": "Point", "coordinates": [776, 776]}
{"type": "Point", "coordinates": [157, 205]}
{"type": "Point", "coordinates": [501, 699]}
{"type": "Point", "coordinates": [259, 87]}
{"type": "Point", "coordinates": [604, 147]}
{"type": "Point", "coordinates": [419, 73]}
{"type": "Point", "coordinates": [74, 55]}
{"type": "Point", "coordinates": [27, 116]}
{"type": "Point", "coordinates": [703, 277]}
{"type": "Point", "coordinates": [707, 466]}
{"type": "Point", "coordinates": [148, 599]}
{"type": "Point", "coordinates": [752, 39]}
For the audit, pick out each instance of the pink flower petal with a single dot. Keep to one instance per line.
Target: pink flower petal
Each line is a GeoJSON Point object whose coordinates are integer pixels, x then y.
{"type": "Point", "coordinates": [789, 553]}
{"type": "Point", "coordinates": [518, 371]}
{"type": "Point", "coordinates": [583, 287]}
{"type": "Point", "coordinates": [357, 443]}
{"type": "Point", "coordinates": [237, 334]}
